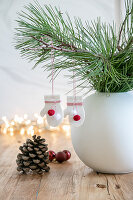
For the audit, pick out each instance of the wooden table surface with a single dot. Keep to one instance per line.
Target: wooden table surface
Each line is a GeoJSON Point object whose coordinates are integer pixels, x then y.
{"type": "Point", "coordinates": [71, 180]}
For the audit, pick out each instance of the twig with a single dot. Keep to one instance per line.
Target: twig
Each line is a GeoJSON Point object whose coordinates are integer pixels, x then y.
{"type": "Point", "coordinates": [62, 43]}
{"type": "Point", "coordinates": [118, 44]}
{"type": "Point", "coordinates": [57, 48]}
{"type": "Point", "coordinates": [46, 46]}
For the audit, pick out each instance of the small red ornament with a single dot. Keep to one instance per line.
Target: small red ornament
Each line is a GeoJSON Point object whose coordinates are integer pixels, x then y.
{"type": "Point", "coordinates": [68, 154]}
{"type": "Point", "coordinates": [61, 157]}
{"type": "Point", "coordinates": [51, 112]}
{"type": "Point", "coordinates": [52, 155]}
{"type": "Point", "coordinates": [76, 117]}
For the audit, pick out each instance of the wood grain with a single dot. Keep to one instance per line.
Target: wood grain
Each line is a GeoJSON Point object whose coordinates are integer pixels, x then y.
{"type": "Point", "coordinates": [71, 180]}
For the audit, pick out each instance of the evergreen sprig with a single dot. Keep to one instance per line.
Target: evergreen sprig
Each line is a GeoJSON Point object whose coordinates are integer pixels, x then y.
{"type": "Point", "coordinates": [100, 59]}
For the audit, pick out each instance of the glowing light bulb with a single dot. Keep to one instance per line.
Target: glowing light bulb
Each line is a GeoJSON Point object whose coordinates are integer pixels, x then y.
{"type": "Point", "coordinates": [28, 132]}
{"type": "Point", "coordinates": [11, 133]}
{"type": "Point", "coordinates": [4, 130]}
{"type": "Point", "coordinates": [40, 120]}
{"type": "Point", "coordinates": [11, 129]}
{"type": "Point", "coordinates": [20, 120]}
{"type": "Point", "coordinates": [32, 132]}
{"type": "Point", "coordinates": [22, 131]}
{"type": "Point", "coordinates": [7, 124]}
{"type": "Point", "coordinates": [13, 123]}
{"type": "Point", "coordinates": [31, 128]}
{"type": "Point", "coordinates": [28, 122]}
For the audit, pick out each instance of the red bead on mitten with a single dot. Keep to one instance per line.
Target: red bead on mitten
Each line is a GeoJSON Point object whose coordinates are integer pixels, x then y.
{"type": "Point", "coordinates": [76, 117]}
{"type": "Point", "coordinates": [51, 112]}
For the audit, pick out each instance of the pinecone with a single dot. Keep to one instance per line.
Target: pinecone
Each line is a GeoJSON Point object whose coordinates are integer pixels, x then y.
{"type": "Point", "coordinates": [34, 156]}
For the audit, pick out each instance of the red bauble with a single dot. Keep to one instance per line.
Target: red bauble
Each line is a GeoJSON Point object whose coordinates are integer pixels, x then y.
{"type": "Point", "coordinates": [51, 112]}
{"type": "Point", "coordinates": [60, 156]}
{"type": "Point", "coordinates": [68, 154]}
{"type": "Point", "coordinates": [76, 117]}
{"type": "Point", "coordinates": [52, 155]}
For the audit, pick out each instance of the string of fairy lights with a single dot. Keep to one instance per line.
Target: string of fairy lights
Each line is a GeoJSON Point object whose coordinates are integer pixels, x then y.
{"type": "Point", "coordinates": [25, 126]}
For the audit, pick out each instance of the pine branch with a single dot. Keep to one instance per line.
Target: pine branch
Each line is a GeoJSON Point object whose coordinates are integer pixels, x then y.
{"type": "Point", "coordinates": [93, 50]}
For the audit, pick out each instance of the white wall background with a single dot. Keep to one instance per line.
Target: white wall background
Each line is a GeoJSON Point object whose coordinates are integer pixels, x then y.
{"type": "Point", "coordinates": [22, 89]}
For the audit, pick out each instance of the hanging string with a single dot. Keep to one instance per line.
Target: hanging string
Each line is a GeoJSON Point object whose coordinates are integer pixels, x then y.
{"type": "Point", "coordinates": [74, 91]}
{"type": "Point", "coordinates": [52, 64]}
{"type": "Point", "coordinates": [74, 81]}
{"type": "Point", "coordinates": [76, 116]}
{"type": "Point", "coordinates": [74, 87]}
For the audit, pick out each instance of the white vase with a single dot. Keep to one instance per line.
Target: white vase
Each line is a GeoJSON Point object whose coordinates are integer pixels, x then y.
{"type": "Point", "coordinates": [105, 141]}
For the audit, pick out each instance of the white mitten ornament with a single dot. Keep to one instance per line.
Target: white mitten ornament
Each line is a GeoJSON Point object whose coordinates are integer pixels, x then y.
{"type": "Point", "coordinates": [52, 110]}
{"type": "Point", "coordinates": [75, 110]}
